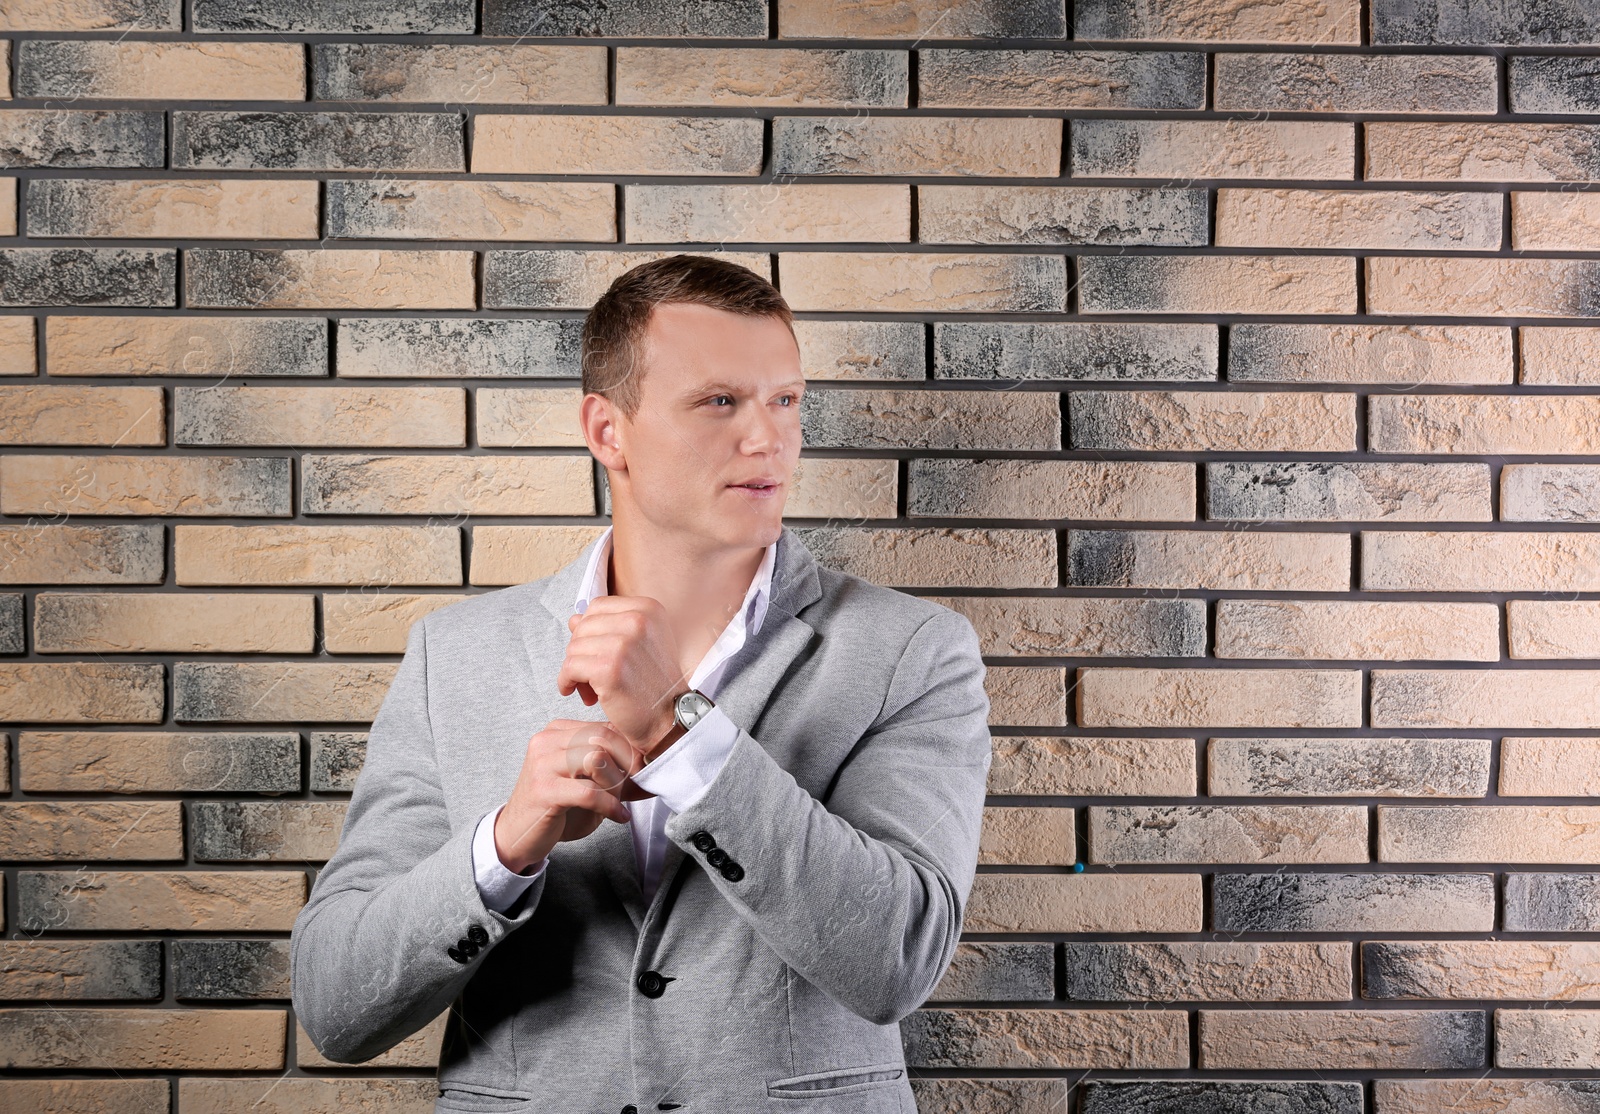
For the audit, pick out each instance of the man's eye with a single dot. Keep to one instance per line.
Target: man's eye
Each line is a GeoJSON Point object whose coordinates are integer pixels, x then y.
{"type": "Point", "coordinates": [716, 397]}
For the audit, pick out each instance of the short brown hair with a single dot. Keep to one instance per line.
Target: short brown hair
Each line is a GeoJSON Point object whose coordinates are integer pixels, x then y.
{"type": "Point", "coordinates": [616, 324]}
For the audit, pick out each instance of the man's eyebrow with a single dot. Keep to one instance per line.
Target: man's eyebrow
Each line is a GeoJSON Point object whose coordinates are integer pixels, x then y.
{"type": "Point", "coordinates": [731, 388]}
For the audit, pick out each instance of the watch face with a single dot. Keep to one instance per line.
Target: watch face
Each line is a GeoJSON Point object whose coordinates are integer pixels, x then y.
{"type": "Point", "coordinates": [691, 706]}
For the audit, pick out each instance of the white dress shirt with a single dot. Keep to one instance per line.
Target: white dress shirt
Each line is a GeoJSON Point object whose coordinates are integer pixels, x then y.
{"type": "Point", "coordinates": [677, 778]}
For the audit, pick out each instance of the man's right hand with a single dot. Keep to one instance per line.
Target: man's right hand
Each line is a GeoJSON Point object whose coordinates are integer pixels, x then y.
{"type": "Point", "coordinates": [572, 778]}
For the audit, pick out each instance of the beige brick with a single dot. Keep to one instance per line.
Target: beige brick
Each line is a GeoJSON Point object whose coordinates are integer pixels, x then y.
{"type": "Point", "coordinates": [63, 554]}
{"type": "Point", "coordinates": [1047, 1038]}
{"type": "Point", "coordinates": [69, 415]}
{"type": "Point", "coordinates": [1536, 969]}
{"type": "Point", "coordinates": [200, 1095]}
{"type": "Point", "coordinates": [529, 417]}
{"type": "Point", "coordinates": [1028, 834]}
{"type": "Point", "coordinates": [571, 278]}
{"type": "Point", "coordinates": [194, 208]}
{"type": "Point", "coordinates": [952, 19]}
{"type": "Point", "coordinates": [82, 692]}
{"type": "Point", "coordinates": [848, 418]}
{"type": "Point", "coordinates": [1549, 766]}
{"type": "Point", "coordinates": [1479, 561]}
{"type": "Point", "coordinates": [18, 346]}
{"type": "Point", "coordinates": [1298, 218]}
{"type": "Point", "coordinates": [1122, 490]}
{"type": "Point", "coordinates": [215, 346]}
{"type": "Point", "coordinates": [862, 350]}
{"type": "Point", "coordinates": [1322, 22]}
{"type": "Point", "coordinates": [144, 1039]}
{"type": "Point", "coordinates": [368, 623]}
{"type": "Point", "coordinates": [295, 554]}
{"type": "Point", "coordinates": [1210, 971]}
{"type": "Point", "coordinates": [1154, 697]}
{"type": "Point", "coordinates": [977, 214]}
{"type": "Point", "coordinates": [348, 417]}
{"type": "Point", "coordinates": [1497, 424]}
{"type": "Point", "coordinates": [1554, 628]}
{"type": "Point", "coordinates": [770, 213]}
{"type": "Point", "coordinates": [1516, 698]}
{"type": "Point", "coordinates": [942, 282]}
{"type": "Point", "coordinates": [503, 555]}
{"type": "Point", "coordinates": [171, 71]}
{"type": "Point", "coordinates": [1060, 79]}
{"type": "Point", "coordinates": [355, 278]}
{"type": "Point", "coordinates": [1560, 355]}
{"type": "Point", "coordinates": [99, 831]}
{"type": "Point", "coordinates": [8, 198]}
{"type": "Point", "coordinates": [1555, 220]}
{"type": "Point", "coordinates": [159, 761]}
{"type": "Point", "coordinates": [1089, 766]}
{"type": "Point", "coordinates": [1357, 629]}
{"type": "Point", "coordinates": [1482, 1095]}
{"type": "Point", "coordinates": [1324, 1039]}
{"type": "Point", "coordinates": [143, 485]}
{"type": "Point", "coordinates": [90, 15]}
{"type": "Point", "coordinates": [173, 622]}
{"type": "Point", "coordinates": [387, 209]}
{"type": "Point", "coordinates": [1393, 767]}
{"type": "Point", "coordinates": [1489, 833]}
{"type": "Point", "coordinates": [541, 143]}
{"type": "Point", "coordinates": [1023, 695]}
{"type": "Point", "coordinates": [1462, 151]}
{"type": "Point", "coordinates": [353, 483]}
{"type": "Point", "coordinates": [986, 146]}
{"type": "Point", "coordinates": [1550, 493]}
{"type": "Point", "coordinates": [1564, 1039]}
{"type": "Point", "coordinates": [1389, 83]}
{"type": "Point", "coordinates": [1226, 560]}
{"type": "Point", "coordinates": [834, 488]}
{"type": "Point", "coordinates": [1171, 834]}
{"type": "Point", "coordinates": [259, 692]}
{"type": "Point", "coordinates": [1365, 353]}
{"type": "Point", "coordinates": [1213, 421]}
{"type": "Point", "coordinates": [460, 74]}
{"type": "Point", "coordinates": [761, 77]}
{"type": "Point", "coordinates": [1252, 284]}
{"type": "Point", "coordinates": [1099, 902]}
{"type": "Point", "coordinates": [185, 901]}
{"type": "Point", "coordinates": [1480, 287]}
{"type": "Point", "coordinates": [938, 557]}
{"type": "Point", "coordinates": [44, 1095]}
{"type": "Point", "coordinates": [1191, 149]}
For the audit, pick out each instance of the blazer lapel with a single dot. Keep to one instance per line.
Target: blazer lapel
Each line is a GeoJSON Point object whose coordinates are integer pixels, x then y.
{"type": "Point", "coordinates": [752, 675]}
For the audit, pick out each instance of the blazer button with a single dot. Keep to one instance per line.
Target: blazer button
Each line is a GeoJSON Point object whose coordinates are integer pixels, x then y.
{"type": "Point", "coordinates": [703, 841]}
{"type": "Point", "coordinates": [477, 935]}
{"type": "Point", "coordinates": [458, 956]}
{"type": "Point", "coordinates": [630, 1109]}
{"type": "Point", "coordinates": [467, 947]}
{"type": "Point", "coordinates": [732, 871]}
{"type": "Point", "coordinates": [716, 856]}
{"type": "Point", "coordinates": [652, 984]}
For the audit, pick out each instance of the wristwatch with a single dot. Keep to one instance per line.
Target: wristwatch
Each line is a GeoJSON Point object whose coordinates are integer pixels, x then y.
{"type": "Point", "coordinates": [690, 708]}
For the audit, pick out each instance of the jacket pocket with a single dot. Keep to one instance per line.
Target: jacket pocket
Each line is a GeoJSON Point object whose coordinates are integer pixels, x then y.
{"type": "Point", "coordinates": [473, 1098]}
{"type": "Point", "coordinates": [840, 1081]}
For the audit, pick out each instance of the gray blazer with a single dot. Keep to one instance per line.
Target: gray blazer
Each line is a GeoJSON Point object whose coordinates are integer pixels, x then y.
{"type": "Point", "coordinates": [810, 899]}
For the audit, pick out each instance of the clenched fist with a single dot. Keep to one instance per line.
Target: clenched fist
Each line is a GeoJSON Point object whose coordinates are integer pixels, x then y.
{"type": "Point", "coordinates": [624, 654]}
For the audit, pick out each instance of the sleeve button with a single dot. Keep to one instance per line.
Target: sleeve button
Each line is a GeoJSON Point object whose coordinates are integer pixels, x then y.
{"type": "Point", "coordinates": [477, 935]}
{"type": "Point", "coordinates": [732, 871]}
{"type": "Point", "coordinates": [703, 840]}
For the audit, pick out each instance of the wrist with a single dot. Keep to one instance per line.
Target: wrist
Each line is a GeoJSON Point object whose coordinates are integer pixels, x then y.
{"type": "Point", "coordinates": [514, 863]}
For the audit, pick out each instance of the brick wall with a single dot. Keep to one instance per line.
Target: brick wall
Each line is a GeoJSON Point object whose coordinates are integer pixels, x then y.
{"type": "Point", "coordinates": [1230, 366]}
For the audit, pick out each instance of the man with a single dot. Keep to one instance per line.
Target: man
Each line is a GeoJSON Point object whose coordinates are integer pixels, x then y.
{"type": "Point", "coordinates": [792, 760]}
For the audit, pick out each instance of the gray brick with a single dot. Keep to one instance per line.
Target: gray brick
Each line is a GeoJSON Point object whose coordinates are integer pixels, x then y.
{"type": "Point", "coordinates": [1227, 148]}
{"type": "Point", "coordinates": [1062, 215]}
{"type": "Point", "coordinates": [991, 1096]}
{"type": "Point", "coordinates": [361, 17]}
{"type": "Point", "coordinates": [1356, 83]}
{"type": "Point", "coordinates": [997, 972]}
{"type": "Point", "coordinates": [12, 640]}
{"type": "Point", "coordinates": [88, 277]}
{"type": "Point", "coordinates": [1208, 971]}
{"type": "Point", "coordinates": [1347, 767]}
{"type": "Point", "coordinates": [318, 140]}
{"type": "Point", "coordinates": [844, 418]}
{"type": "Point", "coordinates": [448, 347]}
{"type": "Point", "coordinates": [73, 970]}
{"type": "Point", "coordinates": [263, 831]}
{"type": "Point", "coordinates": [1550, 902]}
{"type": "Point", "coordinates": [230, 970]}
{"type": "Point", "coordinates": [1485, 22]}
{"type": "Point", "coordinates": [1060, 79]}
{"type": "Point", "coordinates": [82, 137]}
{"type": "Point", "coordinates": [1375, 902]}
{"type": "Point", "coordinates": [1204, 1096]}
{"type": "Point", "coordinates": [744, 19]}
{"type": "Point", "coordinates": [994, 146]}
{"type": "Point", "coordinates": [1562, 83]}
{"type": "Point", "coordinates": [1347, 491]}
{"type": "Point", "coordinates": [1073, 350]}
{"type": "Point", "coordinates": [336, 759]}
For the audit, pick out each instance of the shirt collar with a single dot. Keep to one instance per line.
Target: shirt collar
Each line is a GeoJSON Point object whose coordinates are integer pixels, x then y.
{"type": "Point", "coordinates": [754, 607]}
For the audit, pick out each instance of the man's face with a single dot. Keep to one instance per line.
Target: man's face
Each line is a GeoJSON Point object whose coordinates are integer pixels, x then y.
{"type": "Point", "coordinates": [720, 407]}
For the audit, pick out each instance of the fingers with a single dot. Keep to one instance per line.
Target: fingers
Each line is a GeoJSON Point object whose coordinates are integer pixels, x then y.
{"type": "Point", "coordinates": [581, 793]}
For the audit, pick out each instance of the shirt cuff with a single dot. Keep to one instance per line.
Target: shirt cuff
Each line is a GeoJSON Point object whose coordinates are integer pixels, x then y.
{"type": "Point", "coordinates": [498, 884]}
{"type": "Point", "coordinates": [687, 768]}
